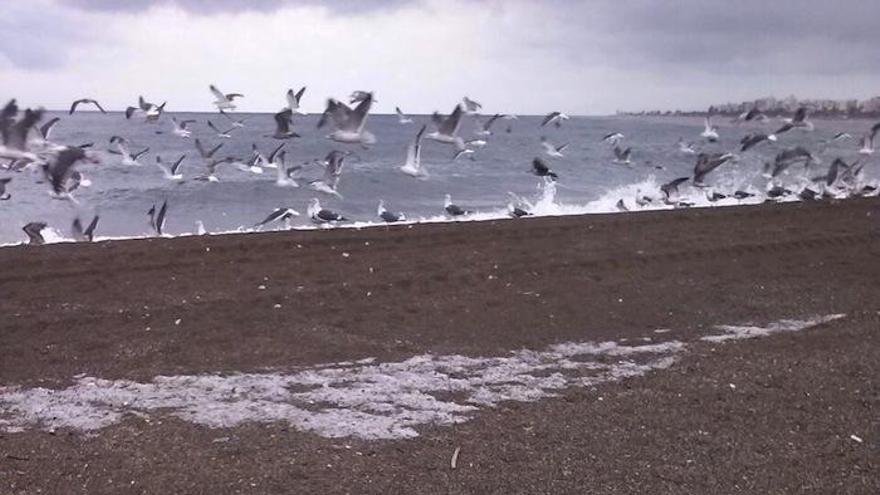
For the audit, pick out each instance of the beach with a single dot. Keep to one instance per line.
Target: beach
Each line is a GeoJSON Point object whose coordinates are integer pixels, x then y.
{"type": "Point", "coordinates": [790, 412]}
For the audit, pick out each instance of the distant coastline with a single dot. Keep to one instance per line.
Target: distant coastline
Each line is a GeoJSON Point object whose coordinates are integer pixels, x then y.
{"type": "Point", "coordinates": [775, 107]}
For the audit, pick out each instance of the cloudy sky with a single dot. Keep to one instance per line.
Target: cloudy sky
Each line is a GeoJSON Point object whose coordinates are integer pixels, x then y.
{"type": "Point", "coordinates": [521, 56]}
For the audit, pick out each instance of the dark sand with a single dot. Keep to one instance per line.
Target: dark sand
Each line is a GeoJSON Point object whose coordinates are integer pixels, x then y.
{"type": "Point", "coordinates": [109, 310]}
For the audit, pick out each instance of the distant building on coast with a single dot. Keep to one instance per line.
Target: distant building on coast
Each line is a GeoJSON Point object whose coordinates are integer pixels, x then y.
{"type": "Point", "coordinates": [772, 107]}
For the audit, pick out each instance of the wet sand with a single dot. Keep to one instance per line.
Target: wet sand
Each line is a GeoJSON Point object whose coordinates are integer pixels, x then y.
{"type": "Point", "coordinates": [242, 303]}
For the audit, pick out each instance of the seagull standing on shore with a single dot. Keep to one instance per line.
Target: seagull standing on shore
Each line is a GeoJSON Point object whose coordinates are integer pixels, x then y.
{"type": "Point", "coordinates": [224, 101]}
{"type": "Point", "coordinates": [413, 165]}
{"type": "Point", "coordinates": [453, 209]}
{"type": "Point", "coordinates": [388, 216]}
{"type": "Point", "coordinates": [321, 216]}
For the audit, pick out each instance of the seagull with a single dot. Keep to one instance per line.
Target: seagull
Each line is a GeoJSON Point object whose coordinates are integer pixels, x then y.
{"type": "Point", "coordinates": [211, 166]}
{"type": "Point", "coordinates": [222, 134]}
{"type": "Point", "coordinates": [413, 165]}
{"type": "Point", "coordinates": [207, 154]}
{"type": "Point", "coordinates": [86, 235]}
{"type": "Point", "coordinates": [34, 233]}
{"type": "Point", "coordinates": [336, 111]}
{"type": "Point", "coordinates": [612, 138]}
{"type": "Point", "coordinates": [60, 170]}
{"type": "Point", "coordinates": [157, 220]}
{"type": "Point", "coordinates": [740, 194]}
{"type": "Point", "coordinates": [235, 122]}
{"type": "Point", "coordinates": [293, 100]}
{"type": "Point", "coordinates": [401, 117]}
{"type": "Point", "coordinates": [351, 128]}
{"type": "Point", "coordinates": [551, 149]}
{"type": "Point", "coordinates": [837, 168]}
{"type": "Point", "coordinates": [447, 128]}
{"type": "Point", "coordinates": [15, 132]}
{"type": "Point", "coordinates": [284, 177]}
{"type": "Point", "coordinates": [707, 162]}
{"type": "Point", "coordinates": [621, 156]}
{"type": "Point", "coordinates": [483, 128]}
{"type": "Point", "coordinates": [751, 140]}
{"type": "Point", "coordinates": [686, 147]}
{"type": "Point", "coordinates": [462, 152]}
{"type": "Point", "coordinates": [747, 116]}
{"type": "Point", "coordinates": [171, 172]}
{"type": "Point", "coordinates": [5, 196]}
{"type": "Point", "coordinates": [471, 106]}
{"type": "Point", "coordinates": [128, 158]}
{"type": "Point", "coordinates": [799, 120]}
{"type": "Point", "coordinates": [475, 143]}
{"type": "Point", "coordinates": [518, 207]}
{"type": "Point", "coordinates": [789, 157]}
{"type": "Point", "coordinates": [621, 206]}
{"type": "Point", "coordinates": [46, 129]}
{"type": "Point", "coordinates": [85, 101]}
{"type": "Point", "coordinates": [388, 216]}
{"type": "Point", "coordinates": [541, 169]}
{"type": "Point", "coordinates": [868, 140]}
{"type": "Point", "coordinates": [280, 215]}
{"type": "Point", "coordinates": [210, 163]}
{"type": "Point", "coordinates": [453, 210]}
{"type": "Point", "coordinates": [332, 164]}
{"type": "Point", "coordinates": [151, 111]}
{"type": "Point", "coordinates": [710, 132]}
{"type": "Point", "coordinates": [224, 101]}
{"type": "Point", "coordinates": [322, 216]}
{"type": "Point", "coordinates": [283, 122]}
{"type": "Point", "coordinates": [359, 96]}
{"type": "Point", "coordinates": [554, 118]}
{"type": "Point", "coordinates": [180, 127]}
{"type": "Point", "coordinates": [272, 161]}
{"type": "Point", "coordinates": [670, 190]}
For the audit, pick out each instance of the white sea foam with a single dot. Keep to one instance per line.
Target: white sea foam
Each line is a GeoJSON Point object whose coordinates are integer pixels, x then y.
{"type": "Point", "coordinates": [364, 399]}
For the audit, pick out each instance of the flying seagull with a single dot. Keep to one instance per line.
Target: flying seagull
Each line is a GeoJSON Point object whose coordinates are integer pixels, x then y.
{"type": "Point", "coordinates": [285, 174]}
{"type": "Point", "coordinates": [554, 118]}
{"type": "Point", "coordinates": [280, 215]}
{"type": "Point", "coordinates": [83, 101]}
{"type": "Point", "coordinates": [686, 147]}
{"type": "Point", "coordinates": [799, 120]}
{"type": "Point", "coordinates": [180, 127]}
{"type": "Point", "coordinates": [401, 117]}
{"type": "Point", "coordinates": [670, 190]}
{"type": "Point", "coordinates": [34, 232]}
{"type": "Point", "coordinates": [621, 156]}
{"type": "Point", "coordinates": [151, 111]}
{"type": "Point", "coordinates": [484, 128]}
{"type": "Point", "coordinates": [128, 158]}
{"type": "Point", "coordinates": [551, 149]}
{"type": "Point", "coordinates": [541, 169]}
{"type": "Point", "coordinates": [321, 216]}
{"type": "Point", "coordinates": [222, 134]}
{"type": "Point", "coordinates": [157, 219]}
{"type": "Point", "coordinates": [707, 162]}
{"type": "Point", "coordinates": [293, 100]}
{"type": "Point", "coordinates": [45, 130]}
{"type": "Point", "coordinates": [14, 131]}
{"type": "Point", "coordinates": [171, 172]}
{"type": "Point", "coordinates": [749, 115]}
{"type": "Point", "coordinates": [359, 96]}
{"type": "Point", "coordinates": [350, 129]}
{"type": "Point", "coordinates": [453, 209]}
{"type": "Point", "coordinates": [335, 111]}
{"type": "Point", "coordinates": [612, 138]}
{"type": "Point", "coordinates": [471, 106]}
{"type": "Point", "coordinates": [283, 123]}
{"type": "Point", "coordinates": [389, 216]}
{"type": "Point", "coordinates": [233, 121]}
{"type": "Point", "coordinates": [207, 154]}
{"type": "Point", "coordinates": [447, 128]}
{"type": "Point", "coordinates": [868, 140]}
{"type": "Point", "coordinates": [60, 170]}
{"type": "Point", "coordinates": [413, 165]}
{"type": "Point", "coordinates": [81, 235]}
{"type": "Point", "coordinates": [789, 157]}
{"type": "Point", "coordinates": [710, 132]}
{"type": "Point", "coordinates": [332, 164]}
{"type": "Point", "coordinates": [5, 196]}
{"type": "Point", "coordinates": [751, 140]}
{"type": "Point", "coordinates": [224, 101]}
{"type": "Point", "coordinates": [518, 207]}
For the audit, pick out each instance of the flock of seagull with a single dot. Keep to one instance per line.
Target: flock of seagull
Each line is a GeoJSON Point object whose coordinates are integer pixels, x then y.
{"type": "Point", "coordinates": [27, 145]}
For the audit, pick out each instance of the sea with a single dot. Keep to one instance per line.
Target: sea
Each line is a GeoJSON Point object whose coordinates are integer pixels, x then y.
{"type": "Point", "coordinates": [589, 180]}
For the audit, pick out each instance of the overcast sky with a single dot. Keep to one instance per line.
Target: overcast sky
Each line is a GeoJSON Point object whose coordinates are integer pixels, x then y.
{"type": "Point", "coordinates": [519, 56]}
